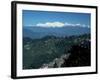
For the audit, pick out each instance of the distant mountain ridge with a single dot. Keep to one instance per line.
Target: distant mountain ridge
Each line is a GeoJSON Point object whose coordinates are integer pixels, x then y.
{"type": "Point", "coordinates": [39, 32]}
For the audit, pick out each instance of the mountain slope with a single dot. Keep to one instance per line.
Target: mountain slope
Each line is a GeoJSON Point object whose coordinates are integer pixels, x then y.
{"type": "Point", "coordinates": [37, 52]}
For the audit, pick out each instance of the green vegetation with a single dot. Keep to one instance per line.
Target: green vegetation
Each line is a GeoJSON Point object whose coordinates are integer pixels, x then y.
{"type": "Point", "coordinates": [37, 52]}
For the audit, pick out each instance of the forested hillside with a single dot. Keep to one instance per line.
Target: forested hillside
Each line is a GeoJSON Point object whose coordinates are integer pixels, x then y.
{"type": "Point", "coordinates": [52, 51]}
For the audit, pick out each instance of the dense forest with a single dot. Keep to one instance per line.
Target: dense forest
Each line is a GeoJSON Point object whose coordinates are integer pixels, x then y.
{"type": "Point", "coordinates": [54, 52]}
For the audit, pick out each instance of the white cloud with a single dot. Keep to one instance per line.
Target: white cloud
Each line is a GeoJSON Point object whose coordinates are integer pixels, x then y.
{"type": "Point", "coordinates": [51, 24]}
{"type": "Point", "coordinates": [60, 24]}
{"type": "Point", "coordinates": [68, 24]}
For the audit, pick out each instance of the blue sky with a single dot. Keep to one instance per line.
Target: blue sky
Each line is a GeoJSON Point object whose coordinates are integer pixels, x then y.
{"type": "Point", "coordinates": [59, 19]}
